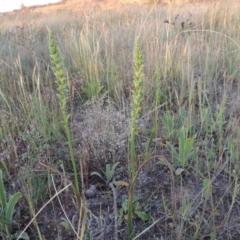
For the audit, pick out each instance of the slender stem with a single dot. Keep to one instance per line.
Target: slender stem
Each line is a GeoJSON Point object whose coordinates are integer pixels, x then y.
{"type": "Point", "coordinates": [133, 135]}
{"type": "Point", "coordinates": [70, 146]}
{"type": "Point", "coordinates": [115, 211]}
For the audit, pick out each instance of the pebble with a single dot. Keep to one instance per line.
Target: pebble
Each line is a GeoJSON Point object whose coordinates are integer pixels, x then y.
{"type": "Point", "coordinates": [91, 192]}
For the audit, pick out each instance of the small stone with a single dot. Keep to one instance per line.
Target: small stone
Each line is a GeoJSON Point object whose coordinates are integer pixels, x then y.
{"type": "Point", "coordinates": [196, 217]}
{"type": "Point", "coordinates": [91, 192]}
{"type": "Point", "coordinates": [171, 225]}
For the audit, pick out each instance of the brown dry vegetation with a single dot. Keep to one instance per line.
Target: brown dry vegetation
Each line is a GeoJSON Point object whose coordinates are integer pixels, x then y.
{"type": "Point", "coordinates": [192, 49]}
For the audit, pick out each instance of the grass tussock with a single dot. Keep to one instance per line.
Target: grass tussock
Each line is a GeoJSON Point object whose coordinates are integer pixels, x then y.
{"type": "Point", "coordinates": [148, 130]}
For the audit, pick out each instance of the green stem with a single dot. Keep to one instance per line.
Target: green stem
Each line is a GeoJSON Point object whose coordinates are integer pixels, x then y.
{"type": "Point", "coordinates": [133, 136]}
{"type": "Point", "coordinates": [70, 146]}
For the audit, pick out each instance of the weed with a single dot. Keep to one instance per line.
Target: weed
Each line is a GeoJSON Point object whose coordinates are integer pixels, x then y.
{"type": "Point", "coordinates": [137, 209]}
{"type": "Point", "coordinates": [186, 150]}
{"type": "Point", "coordinates": [109, 173]}
{"type": "Point", "coordinates": [7, 210]}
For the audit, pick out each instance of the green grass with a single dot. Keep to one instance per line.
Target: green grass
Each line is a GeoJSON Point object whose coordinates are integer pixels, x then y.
{"type": "Point", "coordinates": [95, 102]}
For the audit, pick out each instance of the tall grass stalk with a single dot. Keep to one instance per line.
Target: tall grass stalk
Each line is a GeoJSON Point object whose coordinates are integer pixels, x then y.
{"type": "Point", "coordinates": [61, 81]}
{"type": "Point", "coordinates": [62, 84]}
{"type": "Point", "coordinates": [157, 102]}
{"type": "Point", "coordinates": [163, 160]}
{"type": "Point", "coordinates": [41, 209]}
{"type": "Point", "coordinates": [137, 98]}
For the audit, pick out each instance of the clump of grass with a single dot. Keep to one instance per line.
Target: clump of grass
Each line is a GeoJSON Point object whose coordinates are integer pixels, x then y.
{"type": "Point", "coordinates": [186, 149]}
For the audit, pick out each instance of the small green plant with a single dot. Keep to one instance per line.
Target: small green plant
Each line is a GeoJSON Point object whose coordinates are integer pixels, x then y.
{"type": "Point", "coordinates": [68, 224]}
{"type": "Point", "coordinates": [170, 126]}
{"type": "Point", "coordinates": [186, 148]}
{"type": "Point", "coordinates": [109, 173]}
{"type": "Point", "coordinates": [7, 210]}
{"type": "Point", "coordinates": [136, 209]}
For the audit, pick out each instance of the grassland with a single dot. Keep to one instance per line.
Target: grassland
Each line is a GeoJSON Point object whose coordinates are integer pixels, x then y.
{"type": "Point", "coordinates": [121, 122]}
